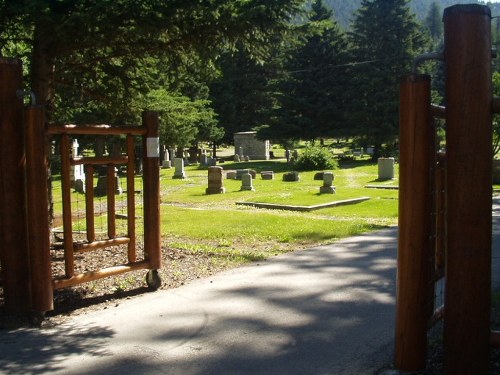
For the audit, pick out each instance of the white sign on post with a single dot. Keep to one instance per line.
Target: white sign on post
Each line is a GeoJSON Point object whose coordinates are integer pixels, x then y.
{"type": "Point", "coordinates": [153, 147]}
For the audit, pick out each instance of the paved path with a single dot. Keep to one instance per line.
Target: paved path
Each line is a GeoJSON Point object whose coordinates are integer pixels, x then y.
{"type": "Point", "coordinates": [327, 310]}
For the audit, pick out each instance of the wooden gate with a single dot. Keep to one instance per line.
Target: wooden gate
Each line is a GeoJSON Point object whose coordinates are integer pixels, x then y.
{"type": "Point", "coordinates": [25, 247]}
{"type": "Point", "coordinates": [152, 257]}
{"type": "Point", "coordinates": [445, 202]}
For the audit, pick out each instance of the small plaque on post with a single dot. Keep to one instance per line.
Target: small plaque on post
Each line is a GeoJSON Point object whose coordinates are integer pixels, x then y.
{"type": "Point", "coordinates": [153, 147]}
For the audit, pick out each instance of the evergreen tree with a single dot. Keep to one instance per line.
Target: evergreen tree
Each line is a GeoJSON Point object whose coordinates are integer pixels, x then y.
{"type": "Point", "coordinates": [434, 22]}
{"type": "Point", "coordinates": [312, 94]}
{"type": "Point", "coordinates": [385, 37]}
{"type": "Point", "coordinates": [242, 96]}
{"type": "Point", "coordinates": [109, 50]}
{"type": "Point", "coordinates": [319, 12]}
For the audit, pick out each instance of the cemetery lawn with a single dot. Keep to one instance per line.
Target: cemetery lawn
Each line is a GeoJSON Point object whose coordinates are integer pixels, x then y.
{"type": "Point", "coordinates": [203, 234]}
{"type": "Point", "coordinates": [233, 234]}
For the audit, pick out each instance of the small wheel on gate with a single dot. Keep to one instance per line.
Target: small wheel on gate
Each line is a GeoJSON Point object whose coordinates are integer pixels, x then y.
{"type": "Point", "coordinates": [37, 318]}
{"type": "Point", "coordinates": [153, 279]}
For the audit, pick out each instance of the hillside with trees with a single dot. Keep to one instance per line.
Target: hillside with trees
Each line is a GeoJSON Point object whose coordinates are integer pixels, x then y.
{"type": "Point", "coordinates": [344, 10]}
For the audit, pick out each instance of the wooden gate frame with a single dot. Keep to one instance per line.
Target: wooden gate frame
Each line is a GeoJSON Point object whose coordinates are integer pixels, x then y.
{"type": "Point", "coordinates": [152, 256]}
{"type": "Point", "coordinates": [24, 224]}
{"type": "Point", "coordinates": [465, 172]}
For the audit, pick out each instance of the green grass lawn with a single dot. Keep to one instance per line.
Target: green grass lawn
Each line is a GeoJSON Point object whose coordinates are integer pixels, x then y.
{"type": "Point", "coordinates": [215, 225]}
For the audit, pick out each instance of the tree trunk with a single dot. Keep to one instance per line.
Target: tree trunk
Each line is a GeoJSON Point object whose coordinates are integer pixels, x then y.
{"type": "Point", "coordinates": [42, 76]}
{"type": "Point", "coordinates": [214, 150]}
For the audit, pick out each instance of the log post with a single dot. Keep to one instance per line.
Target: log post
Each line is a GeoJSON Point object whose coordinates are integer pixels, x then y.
{"type": "Point", "coordinates": [131, 252]}
{"type": "Point", "coordinates": [38, 210]}
{"type": "Point", "coordinates": [14, 254]}
{"type": "Point", "coordinates": [151, 187]}
{"type": "Point", "coordinates": [469, 168]}
{"type": "Point", "coordinates": [415, 225]}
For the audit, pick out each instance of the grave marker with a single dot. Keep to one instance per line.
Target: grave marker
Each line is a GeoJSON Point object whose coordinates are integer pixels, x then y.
{"type": "Point", "coordinates": [179, 168]}
{"type": "Point", "coordinates": [215, 181]}
{"type": "Point", "coordinates": [246, 182]}
{"type": "Point", "coordinates": [327, 187]}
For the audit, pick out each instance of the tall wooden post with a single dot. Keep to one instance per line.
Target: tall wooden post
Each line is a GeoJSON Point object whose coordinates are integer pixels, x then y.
{"type": "Point", "coordinates": [469, 168]}
{"type": "Point", "coordinates": [151, 175]}
{"type": "Point", "coordinates": [38, 210]}
{"type": "Point", "coordinates": [13, 244]}
{"type": "Point", "coordinates": [415, 227]}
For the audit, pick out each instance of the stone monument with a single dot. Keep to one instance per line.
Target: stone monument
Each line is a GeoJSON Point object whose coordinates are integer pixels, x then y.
{"type": "Point", "coordinates": [327, 187]}
{"type": "Point", "coordinates": [179, 168]}
{"type": "Point", "coordinates": [246, 182]}
{"type": "Point", "coordinates": [215, 181]}
{"type": "Point", "coordinates": [247, 144]}
{"type": "Point", "coordinates": [77, 171]}
{"type": "Point", "coordinates": [166, 163]}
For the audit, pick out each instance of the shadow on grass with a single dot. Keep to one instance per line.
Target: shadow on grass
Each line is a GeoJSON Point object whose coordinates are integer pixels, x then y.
{"type": "Point", "coordinates": [317, 236]}
{"type": "Point", "coordinates": [382, 180]}
{"type": "Point", "coordinates": [349, 164]}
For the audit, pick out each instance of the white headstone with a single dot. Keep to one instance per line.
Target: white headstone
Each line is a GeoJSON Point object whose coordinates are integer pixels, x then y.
{"type": "Point", "coordinates": [179, 168]}
{"type": "Point", "coordinates": [246, 182]}
{"type": "Point", "coordinates": [385, 168]}
{"type": "Point", "coordinates": [77, 171]}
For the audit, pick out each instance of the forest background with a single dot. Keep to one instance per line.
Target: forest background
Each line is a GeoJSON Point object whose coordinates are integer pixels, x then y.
{"type": "Point", "coordinates": [292, 70]}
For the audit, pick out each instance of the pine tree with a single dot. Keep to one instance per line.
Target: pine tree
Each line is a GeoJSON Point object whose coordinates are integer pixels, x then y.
{"type": "Point", "coordinates": [434, 22]}
{"type": "Point", "coordinates": [385, 37]}
{"type": "Point", "coordinates": [311, 95]}
{"type": "Point", "coordinates": [242, 96]}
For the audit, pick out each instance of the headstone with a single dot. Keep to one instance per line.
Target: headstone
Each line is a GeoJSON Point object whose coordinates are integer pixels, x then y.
{"type": "Point", "coordinates": [246, 182]}
{"type": "Point", "coordinates": [179, 168]}
{"type": "Point", "coordinates": [231, 174]}
{"type": "Point", "coordinates": [327, 187]}
{"type": "Point", "coordinates": [204, 160]}
{"type": "Point", "coordinates": [295, 155]}
{"type": "Point", "coordinates": [247, 158]}
{"type": "Point", "coordinates": [240, 152]}
{"type": "Point", "coordinates": [77, 171]}
{"type": "Point", "coordinates": [385, 168]}
{"type": "Point", "coordinates": [80, 185]}
{"type": "Point", "coordinates": [267, 175]}
{"type": "Point", "coordinates": [241, 172]}
{"type": "Point", "coordinates": [288, 155]}
{"type": "Point", "coordinates": [215, 181]}
{"type": "Point", "coordinates": [237, 158]}
{"type": "Point", "coordinates": [212, 162]}
{"type": "Point", "coordinates": [166, 163]}
{"type": "Point", "coordinates": [74, 151]}
{"type": "Point", "coordinates": [291, 176]}
{"type": "Point", "coordinates": [102, 186]}
{"type": "Point", "coordinates": [318, 176]}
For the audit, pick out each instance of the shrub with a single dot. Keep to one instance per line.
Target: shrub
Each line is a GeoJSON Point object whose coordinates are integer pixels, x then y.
{"type": "Point", "coordinates": [314, 158]}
